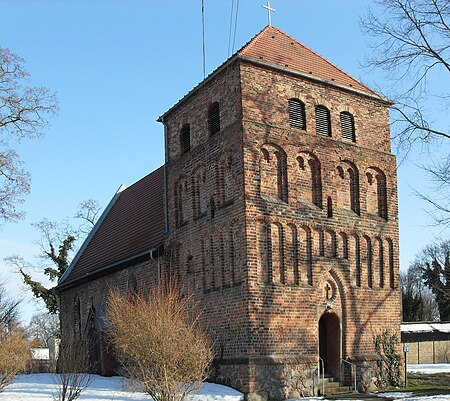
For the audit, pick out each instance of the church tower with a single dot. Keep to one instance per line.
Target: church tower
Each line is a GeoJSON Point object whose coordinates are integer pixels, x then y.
{"type": "Point", "coordinates": [281, 217]}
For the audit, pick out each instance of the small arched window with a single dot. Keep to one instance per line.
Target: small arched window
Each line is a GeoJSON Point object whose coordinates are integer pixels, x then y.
{"type": "Point", "coordinates": [214, 118]}
{"type": "Point", "coordinates": [185, 139]}
{"type": "Point", "coordinates": [323, 121]}
{"type": "Point", "coordinates": [297, 117]}
{"type": "Point", "coordinates": [348, 127]}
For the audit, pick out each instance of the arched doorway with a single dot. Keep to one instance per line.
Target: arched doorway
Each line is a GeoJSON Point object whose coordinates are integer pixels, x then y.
{"type": "Point", "coordinates": [330, 343]}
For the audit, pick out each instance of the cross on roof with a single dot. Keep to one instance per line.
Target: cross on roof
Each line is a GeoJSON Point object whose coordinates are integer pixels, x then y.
{"type": "Point", "coordinates": [269, 9]}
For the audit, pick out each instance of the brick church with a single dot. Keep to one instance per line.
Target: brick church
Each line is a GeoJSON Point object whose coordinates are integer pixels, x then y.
{"type": "Point", "coordinates": [276, 207]}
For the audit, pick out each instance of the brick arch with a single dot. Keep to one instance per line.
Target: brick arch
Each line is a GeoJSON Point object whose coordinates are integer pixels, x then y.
{"type": "Point", "coordinates": [202, 257]}
{"type": "Point", "coordinates": [225, 178]}
{"type": "Point", "coordinates": [309, 178]}
{"type": "Point", "coordinates": [379, 261]}
{"type": "Point", "coordinates": [376, 195]}
{"type": "Point", "coordinates": [226, 253]}
{"type": "Point", "coordinates": [277, 233]}
{"type": "Point", "coordinates": [199, 194]}
{"type": "Point", "coordinates": [273, 171]}
{"type": "Point", "coordinates": [306, 251]}
{"type": "Point", "coordinates": [330, 243]}
{"type": "Point", "coordinates": [265, 269]}
{"type": "Point", "coordinates": [318, 248]}
{"type": "Point", "coordinates": [342, 245]}
{"type": "Point", "coordinates": [181, 200]}
{"type": "Point", "coordinates": [347, 185]}
{"type": "Point", "coordinates": [355, 260]}
{"type": "Point", "coordinates": [390, 262]}
{"type": "Point", "coordinates": [336, 275]}
{"type": "Point", "coordinates": [292, 255]}
{"type": "Point", "coordinates": [368, 257]}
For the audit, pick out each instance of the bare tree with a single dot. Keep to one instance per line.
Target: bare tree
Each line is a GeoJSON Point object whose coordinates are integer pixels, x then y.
{"type": "Point", "coordinates": [160, 342]}
{"type": "Point", "coordinates": [23, 114]}
{"type": "Point", "coordinates": [43, 327]}
{"type": "Point", "coordinates": [434, 264]}
{"type": "Point", "coordinates": [418, 300]}
{"type": "Point", "coordinates": [14, 346]}
{"type": "Point", "coordinates": [410, 42]}
{"type": "Point", "coordinates": [57, 243]}
{"type": "Point", "coordinates": [9, 310]}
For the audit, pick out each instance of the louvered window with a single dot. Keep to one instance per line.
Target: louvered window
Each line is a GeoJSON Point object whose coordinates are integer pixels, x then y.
{"type": "Point", "coordinates": [323, 123]}
{"type": "Point", "coordinates": [297, 118]}
{"type": "Point", "coordinates": [185, 139]}
{"type": "Point", "coordinates": [348, 127]}
{"type": "Point", "coordinates": [214, 118]}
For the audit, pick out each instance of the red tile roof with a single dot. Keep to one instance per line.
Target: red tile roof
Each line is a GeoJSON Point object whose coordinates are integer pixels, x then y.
{"type": "Point", "coordinates": [273, 46]}
{"type": "Point", "coordinates": [134, 224]}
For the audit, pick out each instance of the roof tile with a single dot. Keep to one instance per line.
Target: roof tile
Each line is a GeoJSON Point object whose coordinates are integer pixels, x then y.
{"type": "Point", "coordinates": [275, 47]}
{"type": "Point", "coordinates": [133, 225]}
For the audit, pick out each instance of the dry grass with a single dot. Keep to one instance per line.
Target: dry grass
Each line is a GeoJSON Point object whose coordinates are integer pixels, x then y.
{"type": "Point", "coordinates": [160, 343]}
{"type": "Point", "coordinates": [14, 354]}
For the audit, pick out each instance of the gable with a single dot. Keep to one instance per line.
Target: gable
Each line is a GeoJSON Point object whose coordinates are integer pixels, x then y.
{"type": "Point", "coordinates": [273, 47]}
{"type": "Point", "coordinates": [133, 224]}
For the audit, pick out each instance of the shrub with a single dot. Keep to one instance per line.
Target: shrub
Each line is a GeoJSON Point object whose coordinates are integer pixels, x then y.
{"type": "Point", "coordinates": [73, 378]}
{"type": "Point", "coordinates": [14, 354]}
{"type": "Point", "coordinates": [160, 342]}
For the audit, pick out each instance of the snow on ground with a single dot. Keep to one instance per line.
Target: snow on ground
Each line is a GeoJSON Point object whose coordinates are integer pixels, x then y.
{"type": "Point", "coordinates": [432, 368]}
{"type": "Point", "coordinates": [41, 387]}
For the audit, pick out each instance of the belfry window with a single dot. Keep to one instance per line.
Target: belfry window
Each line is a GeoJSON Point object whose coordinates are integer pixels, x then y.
{"type": "Point", "coordinates": [323, 121]}
{"type": "Point", "coordinates": [297, 118]}
{"type": "Point", "coordinates": [348, 127]}
{"type": "Point", "coordinates": [185, 139]}
{"type": "Point", "coordinates": [214, 118]}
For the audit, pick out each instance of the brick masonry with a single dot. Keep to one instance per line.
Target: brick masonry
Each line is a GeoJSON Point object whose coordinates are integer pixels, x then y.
{"type": "Point", "coordinates": [273, 229]}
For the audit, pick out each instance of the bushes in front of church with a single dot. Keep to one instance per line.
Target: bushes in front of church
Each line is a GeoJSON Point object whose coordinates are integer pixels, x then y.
{"type": "Point", "coordinates": [159, 342]}
{"type": "Point", "coordinates": [14, 353]}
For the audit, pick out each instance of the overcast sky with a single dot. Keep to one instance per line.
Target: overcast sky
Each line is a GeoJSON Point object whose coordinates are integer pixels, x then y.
{"type": "Point", "coordinates": [118, 65]}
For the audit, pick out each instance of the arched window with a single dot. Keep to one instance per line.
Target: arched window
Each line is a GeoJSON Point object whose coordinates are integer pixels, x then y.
{"type": "Point", "coordinates": [265, 253]}
{"type": "Point", "coordinates": [77, 322]}
{"type": "Point", "coordinates": [181, 202]}
{"type": "Point", "coordinates": [354, 189]}
{"type": "Point", "coordinates": [380, 255]}
{"type": "Point", "coordinates": [273, 163]}
{"type": "Point", "coordinates": [323, 121]}
{"type": "Point", "coordinates": [185, 139]}
{"type": "Point", "coordinates": [390, 249]}
{"type": "Point", "coordinates": [203, 264]}
{"type": "Point", "coordinates": [278, 253]}
{"type": "Point", "coordinates": [348, 127]}
{"type": "Point", "coordinates": [369, 256]}
{"type": "Point", "coordinates": [297, 117]}
{"type": "Point", "coordinates": [200, 201]}
{"type": "Point", "coordinates": [329, 207]}
{"type": "Point", "coordinates": [309, 179]}
{"type": "Point", "coordinates": [292, 261]}
{"type": "Point", "coordinates": [214, 118]}
{"type": "Point", "coordinates": [376, 192]}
